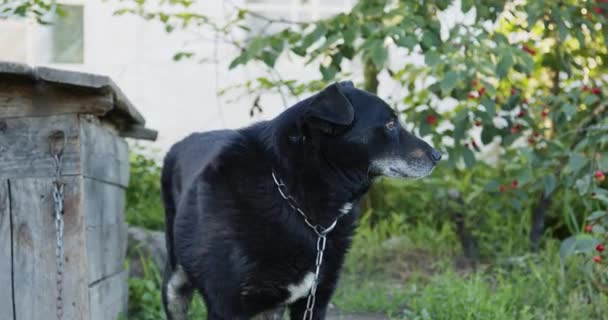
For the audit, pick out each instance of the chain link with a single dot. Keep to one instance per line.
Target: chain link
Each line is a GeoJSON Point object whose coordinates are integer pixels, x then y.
{"type": "Point", "coordinates": [58, 200]}
{"type": "Point", "coordinates": [321, 242]}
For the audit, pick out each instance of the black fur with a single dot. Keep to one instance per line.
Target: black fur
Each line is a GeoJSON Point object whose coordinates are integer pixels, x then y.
{"type": "Point", "coordinates": [236, 238]}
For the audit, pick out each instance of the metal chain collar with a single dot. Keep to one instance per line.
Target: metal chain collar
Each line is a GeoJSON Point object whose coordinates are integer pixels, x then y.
{"type": "Point", "coordinates": [58, 197]}
{"type": "Point", "coordinates": [321, 242]}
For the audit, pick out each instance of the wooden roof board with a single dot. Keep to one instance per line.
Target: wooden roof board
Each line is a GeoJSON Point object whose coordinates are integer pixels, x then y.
{"type": "Point", "coordinates": [122, 107]}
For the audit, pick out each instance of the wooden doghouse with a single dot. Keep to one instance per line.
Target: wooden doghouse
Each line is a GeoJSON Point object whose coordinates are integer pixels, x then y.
{"type": "Point", "coordinates": [74, 122]}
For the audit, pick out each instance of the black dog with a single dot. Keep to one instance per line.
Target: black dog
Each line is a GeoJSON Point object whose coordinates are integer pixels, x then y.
{"type": "Point", "coordinates": [232, 236]}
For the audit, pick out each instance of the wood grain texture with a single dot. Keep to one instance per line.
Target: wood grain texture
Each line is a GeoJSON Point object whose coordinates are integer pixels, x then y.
{"type": "Point", "coordinates": [26, 99]}
{"type": "Point", "coordinates": [109, 298]}
{"type": "Point", "coordinates": [34, 250]}
{"type": "Point", "coordinates": [24, 146]}
{"type": "Point", "coordinates": [106, 230]}
{"type": "Point", "coordinates": [105, 157]}
{"type": "Point", "coordinates": [6, 294]}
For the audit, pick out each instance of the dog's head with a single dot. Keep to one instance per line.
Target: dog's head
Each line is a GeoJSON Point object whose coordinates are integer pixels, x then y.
{"type": "Point", "coordinates": [353, 129]}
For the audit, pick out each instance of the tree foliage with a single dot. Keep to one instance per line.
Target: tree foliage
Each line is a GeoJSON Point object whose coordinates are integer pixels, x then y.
{"type": "Point", "coordinates": [526, 79]}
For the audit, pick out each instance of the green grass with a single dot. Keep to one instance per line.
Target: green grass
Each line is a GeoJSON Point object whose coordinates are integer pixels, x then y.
{"type": "Point", "coordinates": [529, 287]}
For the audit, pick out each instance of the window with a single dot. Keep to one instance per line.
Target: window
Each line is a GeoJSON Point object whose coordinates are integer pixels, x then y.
{"type": "Point", "coordinates": [67, 35]}
{"type": "Point", "coordinates": [291, 10]}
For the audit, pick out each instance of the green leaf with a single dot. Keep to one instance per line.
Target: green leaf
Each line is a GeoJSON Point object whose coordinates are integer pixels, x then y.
{"type": "Point", "coordinates": [256, 45]}
{"type": "Point", "coordinates": [349, 35]}
{"type": "Point", "coordinates": [469, 157]}
{"type": "Point", "coordinates": [567, 247]}
{"type": "Point", "coordinates": [580, 243]}
{"type": "Point", "coordinates": [449, 82]}
{"type": "Point", "coordinates": [505, 63]}
{"type": "Point", "coordinates": [182, 55]}
{"type": "Point", "coordinates": [328, 72]}
{"type": "Point", "coordinates": [491, 186]}
{"type": "Point", "coordinates": [549, 182]}
{"type": "Point", "coordinates": [378, 54]}
{"type": "Point", "coordinates": [591, 99]}
{"type": "Point", "coordinates": [576, 162]}
{"type": "Point", "coordinates": [582, 185]}
{"type": "Point", "coordinates": [424, 129]}
{"type": "Point", "coordinates": [269, 57]}
{"type": "Point", "coordinates": [237, 61]}
{"type": "Point", "coordinates": [430, 39]}
{"type": "Point", "coordinates": [407, 41]}
{"type": "Point", "coordinates": [431, 58]}
{"type": "Point", "coordinates": [466, 5]}
{"type": "Point", "coordinates": [488, 133]}
{"type": "Point", "coordinates": [597, 215]}
{"type": "Point", "coordinates": [489, 105]}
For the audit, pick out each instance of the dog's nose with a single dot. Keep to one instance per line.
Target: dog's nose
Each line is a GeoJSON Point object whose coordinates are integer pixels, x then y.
{"type": "Point", "coordinates": [436, 155]}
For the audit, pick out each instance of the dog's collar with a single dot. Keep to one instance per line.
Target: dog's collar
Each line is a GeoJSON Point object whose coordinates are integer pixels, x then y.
{"type": "Point", "coordinates": [318, 229]}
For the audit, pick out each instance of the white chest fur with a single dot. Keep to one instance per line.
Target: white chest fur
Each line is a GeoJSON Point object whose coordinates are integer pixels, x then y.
{"type": "Point", "coordinates": [301, 289]}
{"type": "Point", "coordinates": [346, 208]}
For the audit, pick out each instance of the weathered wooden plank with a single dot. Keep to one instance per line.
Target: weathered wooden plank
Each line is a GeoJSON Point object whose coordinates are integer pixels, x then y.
{"type": "Point", "coordinates": [25, 151]}
{"type": "Point", "coordinates": [105, 156]}
{"type": "Point", "coordinates": [139, 132]}
{"type": "Point", "coordinates": [34, 244]}
{"type": "Point", "coordinates": [109, 297]}
{"type": "Point", "coordinates": [106, 230]}
{"type": "Point", "coordinates": [6, 259]}
{"type": "Point", "coordinates": [26, 99]}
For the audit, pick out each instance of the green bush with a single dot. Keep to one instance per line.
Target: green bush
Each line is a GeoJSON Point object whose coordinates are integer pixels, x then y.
{"type": "Point", "coordinates": [145, 296]}
{"type": "Point", "coordinates": [144, 204]}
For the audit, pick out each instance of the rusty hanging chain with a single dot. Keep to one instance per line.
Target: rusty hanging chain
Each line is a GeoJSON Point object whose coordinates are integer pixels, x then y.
{"type": "Point", "coordinates": [58, 198]}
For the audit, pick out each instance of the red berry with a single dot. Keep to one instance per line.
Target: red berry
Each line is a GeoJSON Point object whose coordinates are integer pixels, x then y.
{"type": "Point", "coordinates": [513, 91]}
{"type": "Point", "coordinates": [588, 228]}
{"type": "Point", "coordinates": [475, 82]}
{"type": "Point", "coordinates": [544, 113]}
{"type": "Point", "coordinates": [585, 88]}
{"type": "Point", "coordinates": [471, 95]}
{"type": "Point", "coordinates": [481, 91]}
{"type": "Point", "coordinates": [599, 176]}
{"type": "Point", "coordinates": [598, 10]}
{"type": "Point", "coordinates": [596, 90]}
{"type": "Point", "coordinates": [431, 119]}
{"type": "Point", "coordinates": [473, 143]}
{"type": "Point", "coordinates": [521, 114]}
{"type": "Point", "coordinates": [531, 141]}
{"type": "Point", "coordinates": [515, 129]}
{"type": "Point", "coordinates": [514, 184]}
{"type": "Point", "coordinates": [536, 134]}
{"type": "Point", "coordinates": [597, 259]}
{"type": "Point", "coordinates": [599, 247]}
{"type": "Point", "coordinates": [501, 188]}
{"type": "Point", "coordinates": [478, 123]}
{"type": "Point", "coordinates": [529, 50]}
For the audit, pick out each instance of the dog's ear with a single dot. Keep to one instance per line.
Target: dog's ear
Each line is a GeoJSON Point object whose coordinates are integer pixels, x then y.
{"type": "Point", "coordinates": [328, 108]}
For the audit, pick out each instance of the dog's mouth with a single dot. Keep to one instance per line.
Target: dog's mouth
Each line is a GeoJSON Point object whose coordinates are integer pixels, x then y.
{"type": "Point", "coordinates": [399, 172]}
{"type": "Point", "coordinates": [404, 175]}
{"type": "Point", "coordinates": [401, 168]}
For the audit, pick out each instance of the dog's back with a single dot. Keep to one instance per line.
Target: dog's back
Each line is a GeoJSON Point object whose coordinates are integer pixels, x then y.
{"type": "Point", "coordinates": [182, 163]}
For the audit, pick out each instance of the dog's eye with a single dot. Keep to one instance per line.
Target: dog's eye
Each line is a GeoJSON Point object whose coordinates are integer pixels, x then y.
{"type": "Point", "coordinates": [391, 125]}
